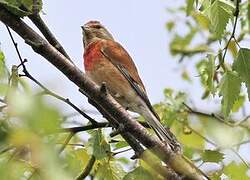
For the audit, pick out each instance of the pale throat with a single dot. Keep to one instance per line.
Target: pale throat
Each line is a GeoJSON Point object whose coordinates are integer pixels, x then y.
{"type": "Point", "coordinates": [88, 41]}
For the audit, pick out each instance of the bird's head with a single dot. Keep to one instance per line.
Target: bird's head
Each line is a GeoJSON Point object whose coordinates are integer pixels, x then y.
{"type": "Point", "coordinates": [94, 30]}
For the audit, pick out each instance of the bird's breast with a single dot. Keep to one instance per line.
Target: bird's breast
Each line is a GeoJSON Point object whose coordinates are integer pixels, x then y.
{"type": "Point", "coordinates": [92, 55]}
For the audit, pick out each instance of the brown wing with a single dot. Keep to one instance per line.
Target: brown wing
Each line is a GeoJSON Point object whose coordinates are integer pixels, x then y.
{"type": "Point", "coordinates": [120, 58]}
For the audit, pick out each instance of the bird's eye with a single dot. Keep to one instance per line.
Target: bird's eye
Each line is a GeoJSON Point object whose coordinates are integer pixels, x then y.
{"type": "Point", "coordinates": [97, 26]}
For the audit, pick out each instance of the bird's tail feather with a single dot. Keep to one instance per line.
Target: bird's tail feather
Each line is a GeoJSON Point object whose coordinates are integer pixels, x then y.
{"type": "Point", "coordinates": [163, 133]}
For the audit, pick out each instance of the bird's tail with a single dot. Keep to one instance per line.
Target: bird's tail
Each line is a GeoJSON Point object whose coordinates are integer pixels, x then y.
{"type": "Point", "coordinates": [163, 133]}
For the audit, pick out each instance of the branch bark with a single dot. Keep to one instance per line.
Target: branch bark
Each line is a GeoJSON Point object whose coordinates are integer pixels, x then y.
{"type": "Point", "coordinates": [175, 160]}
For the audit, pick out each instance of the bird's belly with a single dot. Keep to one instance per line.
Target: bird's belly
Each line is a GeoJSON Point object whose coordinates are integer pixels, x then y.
{"type": "Point", "coordinates": [117, 85]}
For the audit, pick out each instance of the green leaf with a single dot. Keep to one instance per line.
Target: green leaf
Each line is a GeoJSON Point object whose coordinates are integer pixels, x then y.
{"type": "Point", "coordinates": [230, 90]}
{"type": "Point", "coordinates": [37, 115]}
{"type": "Point", "coordinates": [76, 159]}
{"type": "Point", "coordinates": [3, 69]}
{"type": "Point", "coordinates": [191, 140]}
{"type": "Point", "coordinates": [238, 104]}
{"type": "Point", "coordinates": [188, 152]}
{"type": "Point", "coordinates": [21, 8]}
{"type": "Point", "coordinates": [201, 19]}
{"type": "Point", "coordinates": [232, 46]}
{"type": "Point", "coordinates": [170, 25]}
{"type": "Point", "coordinates": [221, 134]}
{"type": "Point", "coordinates": [219, 14]}
{"type": "Point", "coordinates": [242, 66]}
{"type": "Point", "coordinates": [109, 169]}
{"type": "Point", "coordinates": [97, 145]}
{"type": "Point", "coordinates": [210, 69]}
{"type": "Point", "coordinates": [2, 64]}
{"type": "Point", "coordinates": [149, 156]}
{"type": "Point", "coordinates": [185, 76]}
{"type": "Point", "coordinates": [4, 131]}
{"type": "Point", "coordinates": [180, 43]}
{"type": "Point", "coordinates": [121, 144]}
{"type": "Point", "coordinates": [206, 69]}
{"type": "Point", "coordinates": [212, 156]}
{"type": "Point", "coordinates": [234, 171]}
{"type": "Point", "coordinates": [139, 173]}
{"type": "Point", "coordinates": [190, 6]}
{"type": "Point", "coordinates": [14, 77]}
{"type": "Point", "coordinates": [248, 15]}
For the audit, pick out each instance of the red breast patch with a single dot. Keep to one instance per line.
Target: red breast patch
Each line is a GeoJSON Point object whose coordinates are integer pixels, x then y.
{"type": "Point", "coordinates": [92, 55]}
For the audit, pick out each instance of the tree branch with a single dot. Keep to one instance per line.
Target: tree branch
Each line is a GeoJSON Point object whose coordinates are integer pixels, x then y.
{"type": "Point", "coordinates": [46, 90]}
{"type": "Point", "coordinates": [175, 160]}
{"type": "Point", "coordinates": [38, 21]}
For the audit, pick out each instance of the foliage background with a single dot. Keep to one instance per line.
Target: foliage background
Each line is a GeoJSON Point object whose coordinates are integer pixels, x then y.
{"type": "Point", "coordinates": [211, 144]}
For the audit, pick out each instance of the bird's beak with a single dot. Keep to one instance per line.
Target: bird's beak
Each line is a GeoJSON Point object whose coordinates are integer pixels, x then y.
{"type": "Point", "coordinates": [84, 32]}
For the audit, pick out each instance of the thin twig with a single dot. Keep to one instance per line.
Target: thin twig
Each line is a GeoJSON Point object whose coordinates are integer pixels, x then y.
{"type": "Point", "coordinates": [4, 150]}
{"type": "Point", "coordinates": [66, 142]}
{"type": "Point", "coordinates": [72, 144]}
{"type": "Point", "coordinates": [85, 128]}
{"type": "Point", "coordinates": [46, 90]}
{"type": "Point", "coordinates": [240, 157]}
{"type": "Point", "coordinates": [218, 118]}
{"type": "Point", "coordinates": [236, 14]}
{"type": "Point", "coordinates": [87, 170]}
{"type": "Point", "coordinates": [119, 152]}
{"type": "Point", "coordinates": [93, 126]}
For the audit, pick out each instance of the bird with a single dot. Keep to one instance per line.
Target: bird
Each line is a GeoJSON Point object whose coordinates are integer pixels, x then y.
{"type": "Point", "coordinates": [106, 61]}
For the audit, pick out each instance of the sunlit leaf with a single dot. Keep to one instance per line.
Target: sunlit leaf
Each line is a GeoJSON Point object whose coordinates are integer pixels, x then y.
{"type": "Point", "coordinates": [21, 8]}
{"type": "Point", "coordinates": [97, 145]}
{"type": "Point", "coordinates": [238, 103]}
{"type": "Point", "coordinates": [236, 171]}
{"type": "Point", "coordinates": [120, 144]}
{"type": "Point", "coordinates": [139, 173]}
{"type": "Point", "coordinates": [230, 90]}
{"type": "Point", "coordinates": [212, 156]}
{"type": "Point", "coordinates": [185, 76]}
{"type": "Point", "coordinates": [180, 43]}
{"type": "Point", "coordinates": [190, 6]}
{"type": "Point", "coordinates": [201, 19]}
{"type": "Point", "coordinates": [248, 15]}
{"type": "Point", "coordinates": [242, 66]}
{"type": "Point", "coordinates": [191, 140]}
{"type": "Point", "coordinates": [206, 69]}
{"type": "Point", "coordinates": [4, 131]}
{"type": "Point", "coordinates": [170, 25]}
{"type": "Point", "coordinates": [148, 157]}
{"type": "Point", "coordinates": [14, 78]}
{"type": "Point", "coordinates": [221, 134]}
{"type": "Point", "coordinates": [3, 69]}
{"type": "Point", "coordinates": [39, 116]}
{"type": "Point", "coordinates": [232, 46]}
{"type": "Point", "coordinates": [76, 160]}
{"type": "Point", "coordinates": [219, 14]}
{"type": "Point", "coordinates": [109, 169]}
{"type": "Point", "coordinates": [210, 69]}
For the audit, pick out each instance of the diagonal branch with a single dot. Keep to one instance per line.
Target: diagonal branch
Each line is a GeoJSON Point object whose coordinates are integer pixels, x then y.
{"type": "Point", "coordinates": [46, 90]}
{"type": "Point", "coordinates": [38, 21]}
{"type": "Point", "coordinates": [175, 160]}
